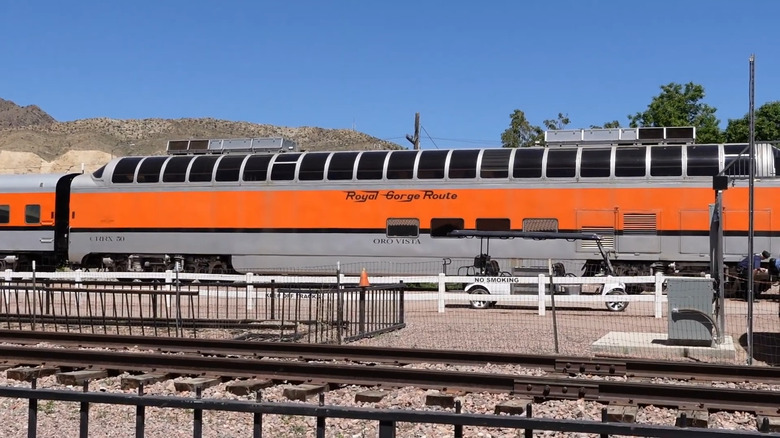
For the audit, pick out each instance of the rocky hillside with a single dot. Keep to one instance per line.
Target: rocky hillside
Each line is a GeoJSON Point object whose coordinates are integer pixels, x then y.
{"type": "Point", "coordinates": [32, 141]}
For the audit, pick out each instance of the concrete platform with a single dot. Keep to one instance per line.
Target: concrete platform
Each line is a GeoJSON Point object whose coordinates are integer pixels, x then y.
{"type": "Point", "coordinates": [657, 345]}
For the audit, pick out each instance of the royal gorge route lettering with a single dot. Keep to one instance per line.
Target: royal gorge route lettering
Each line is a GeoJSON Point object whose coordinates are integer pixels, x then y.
{"type": "Point", "coordinates": [398, 196]}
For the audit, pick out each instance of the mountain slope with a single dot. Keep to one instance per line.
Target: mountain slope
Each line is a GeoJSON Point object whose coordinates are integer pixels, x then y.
{"type": "Point", "coordinates": [46, 145]}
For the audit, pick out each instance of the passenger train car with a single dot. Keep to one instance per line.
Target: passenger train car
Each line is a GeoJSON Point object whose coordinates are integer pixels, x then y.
{"type": "Point", "coordinates": [243, 211]}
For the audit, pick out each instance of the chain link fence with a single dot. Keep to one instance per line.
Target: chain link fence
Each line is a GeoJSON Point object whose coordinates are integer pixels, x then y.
{"type": "Point", "coordinates": [511, 310]}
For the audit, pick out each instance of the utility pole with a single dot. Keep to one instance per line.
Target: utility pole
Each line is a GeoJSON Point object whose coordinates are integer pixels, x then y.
{"type": "Point", "coordinates": [751, 181]}
{"type": "Point", "coordinates": [415, 140]}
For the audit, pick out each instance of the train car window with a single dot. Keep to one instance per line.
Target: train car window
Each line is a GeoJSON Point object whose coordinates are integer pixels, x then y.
{"type": "Point", "coordinates": [463, 164]}
{"type": "Point", "coordinates": [630, 161]}
{"type": "Point", "coordinates": [229, 168]}
{"type": "Point", "coordinates": [491, 224]}
{"type": "Point", "coordinates": [202, 168]}
{"type": "Point", "coordinates": [528, 163]}
{"type": "Point", "coordinates": [341, 166]}
{"type": "Point", "coordinates": [149, 170]}
{"type": "Point", "coordinates": [371, 165]}
{"type": "Point", "coordinates": [702, 160]}
{"type": "Point", "coordinates": [124, 171]}
{"type": "Point", "coordinates": [5, 214]}
{"type": "Point", "coordinates": [776, 157]}
{"type": "Point", "coordinates": [595, 163]}
{"type": "Point", "coordinates": [737, 160]}
{"type": "Point", "coordinates": [401, 165]}
{"type": "Point", "coordinates": [98, 174]}
{"type": "Point", "coordinates": [283, 168]}
{"type": "Point", "coordinates": [441, 226]}
{"type": "Point", "coordinates": [540, 224]}
{"type": "Point", "coordinates": [495, 163]}
{"type": "Point", "coordinates": [431, 164]}
{"type": "Point", "coordinates": [313, 166]}
{"type": "Point", "coordinates": [176, 169]}
{"type": "Point", "coordinates": [403, 227]}
{"type": "Point", "coordinates": [666, 161]}
{"type": "Point", "coordinates": [561, 163]}
{"type": "Point", "coordinates": [32, 214]}
{"type": "Point", "coordinates": [256, 168]}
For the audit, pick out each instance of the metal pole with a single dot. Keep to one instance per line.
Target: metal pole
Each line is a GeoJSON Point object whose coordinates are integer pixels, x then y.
{"type": "Point", "coordinates": [719, 265]}
{"type": "Point", "coordinates": [552, 304]}
{"type": "Point", "coordinates": [751, 182]}
{"type": "Point", "coordinates": [34, 295]}
{"type": "Point", "coordinates": [178, 299]}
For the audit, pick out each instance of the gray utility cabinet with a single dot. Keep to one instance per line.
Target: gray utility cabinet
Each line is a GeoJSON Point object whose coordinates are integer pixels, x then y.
{"type": "Point", "coordinates": [690, 311]}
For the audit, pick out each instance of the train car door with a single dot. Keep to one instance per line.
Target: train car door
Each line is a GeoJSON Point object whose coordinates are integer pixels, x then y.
{"type": "Point", "coordinates": [692, 222]}
{"type": "Point", "coordinates": [62, 215]}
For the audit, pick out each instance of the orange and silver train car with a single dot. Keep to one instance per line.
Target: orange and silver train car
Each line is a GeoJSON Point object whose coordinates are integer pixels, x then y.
{"type": "Point", "coordinates": [34, 220]}
{"type": "Point", "coordinates": [249, 212]}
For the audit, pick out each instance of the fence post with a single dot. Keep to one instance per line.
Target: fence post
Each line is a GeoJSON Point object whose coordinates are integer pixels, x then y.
{"type": "Point", "coordinates": [659, 287]}
{"type": "Point", "coordinates": [77, 279]}
{"type": "Point", "coordinates": [273, 299]}
{"type": "Point", "coordinates": [168, 288]}
{"type": "Point", "coordinates": [541, 283]}
{"type": "Point", "coordinates": [401, 297]}
{"type": "Point", "coordinates": [250, 291]}
{"type": "Point", "coordinates": [7, 292]}
{"type": "Point", "coordinates": [362, 311]}
{"type": "Point", "coordinates": [442, 290]}
{"type": "Point", "coordinates": [32, 412]}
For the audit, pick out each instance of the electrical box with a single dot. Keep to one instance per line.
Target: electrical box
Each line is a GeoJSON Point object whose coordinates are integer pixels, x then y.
{"type": "Point", "coordinates": [691, 308]}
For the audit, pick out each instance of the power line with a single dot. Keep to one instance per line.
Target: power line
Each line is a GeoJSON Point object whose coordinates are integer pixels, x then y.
{"type": "Point", "coordinates": [429, 137]}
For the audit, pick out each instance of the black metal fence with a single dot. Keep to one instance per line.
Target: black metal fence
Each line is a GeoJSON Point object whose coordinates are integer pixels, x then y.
{"type": "Point", "coordinates": [273, 311]}
{"type": "Point", "coordinates": [387, 419]}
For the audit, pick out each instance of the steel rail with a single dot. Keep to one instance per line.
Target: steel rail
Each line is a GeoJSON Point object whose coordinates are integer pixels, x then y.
{"type": "Point", "coordinates": [766, 402]}
{"type": "Point", "coordinates": [276, 370]}
{"type": "Point", "coordinates": [569, 365]}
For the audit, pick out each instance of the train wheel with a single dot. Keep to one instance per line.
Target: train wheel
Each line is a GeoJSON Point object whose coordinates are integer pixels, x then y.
{"type": "Point", "coordinates": [616, 306]}
{"type": "Point", "coordinates": [479, 304]}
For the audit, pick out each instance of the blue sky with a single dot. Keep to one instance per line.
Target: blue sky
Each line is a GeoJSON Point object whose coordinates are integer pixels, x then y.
{"type": "Point", "coordinates": [465, 66]}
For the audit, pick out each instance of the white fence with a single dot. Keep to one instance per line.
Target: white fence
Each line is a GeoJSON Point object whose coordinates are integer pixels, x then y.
{"type": "Point", "coordinates": [541, 299]}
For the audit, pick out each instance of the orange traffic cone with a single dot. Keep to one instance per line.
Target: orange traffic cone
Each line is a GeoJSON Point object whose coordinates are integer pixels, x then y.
{"type": "Point", "coordinates": [364, 279]}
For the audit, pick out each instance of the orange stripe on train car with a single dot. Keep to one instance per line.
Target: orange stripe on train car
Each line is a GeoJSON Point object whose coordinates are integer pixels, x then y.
{"type": "Point", "coordinates": [18, 201]}
{"type": "Point", "coordinates": [676, 207]}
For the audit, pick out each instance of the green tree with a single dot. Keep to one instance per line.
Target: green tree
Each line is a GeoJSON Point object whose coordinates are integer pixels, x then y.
{"type": "Point", "coordinates": [767, 125]}
{"type": "Point", "coordinates": [521, 132]}
{"type": "Point", "coordinates": [608, 125]}
{"type": "Point", "coordinates": [680, 105]}
{"type": "Point", "coordinates": [559, 123]}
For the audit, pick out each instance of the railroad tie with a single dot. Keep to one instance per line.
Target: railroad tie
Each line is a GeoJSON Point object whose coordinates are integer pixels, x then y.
{"type": "Point", "coordinates": [621, 413]}
{"type": "Point", "coordinates": [195, 383]}
{"type": "Point", "coordinates": [512, 407]}
{"type": "Point", "coordinates": [438, 398]}
{"type": "Point", "coordinates": [768, 423]}
{"type": "Point", "coordinates": [78, 378]}
{"type": "Point", "coordinates": [248, 387]}
{"type": "Point", "coordinates": [692, 418]}
{"type": "Point", "coordinates": [370, 396]}
{"type": "Point", "coordinates": [133, 382]}
{"type": "Point", "coordinates": [28, 374]}
{"type": "Point", "coordinates": [303, 391]}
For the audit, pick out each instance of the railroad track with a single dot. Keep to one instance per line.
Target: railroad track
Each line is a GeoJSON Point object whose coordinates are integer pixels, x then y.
{"type": "Point", "coordinates": [635, 368]}
{"type": "Point", "coordinates": [697, 397]}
